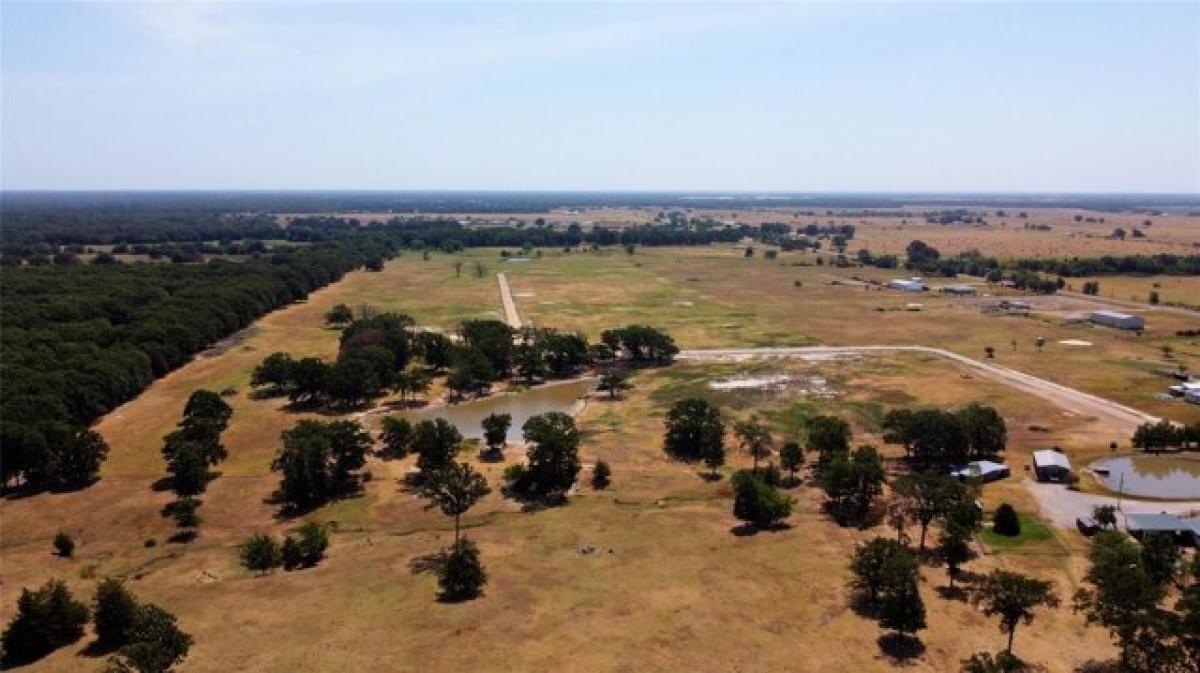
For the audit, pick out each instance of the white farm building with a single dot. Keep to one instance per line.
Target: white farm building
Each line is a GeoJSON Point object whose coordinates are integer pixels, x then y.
{"type": "Point", "coordinates": [909, 285]}
{"type": "Point", "coordinates": [1050, 465]}
{"type": "Point", "coordinates": [1118, 320]}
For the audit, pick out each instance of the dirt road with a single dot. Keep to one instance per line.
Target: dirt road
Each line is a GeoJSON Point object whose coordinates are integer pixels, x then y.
{"type": "Point", "coordinates": [1070, 399]}
{"type": "Point", "coordinates": [510, 307]}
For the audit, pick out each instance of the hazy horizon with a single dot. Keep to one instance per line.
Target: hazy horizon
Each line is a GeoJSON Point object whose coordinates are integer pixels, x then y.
{"type": "Point", "coordinates": [855, 98]}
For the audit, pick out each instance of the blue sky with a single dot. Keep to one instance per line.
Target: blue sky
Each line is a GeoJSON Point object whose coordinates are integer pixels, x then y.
{"type": "Point", "coordinates": [966, 96]}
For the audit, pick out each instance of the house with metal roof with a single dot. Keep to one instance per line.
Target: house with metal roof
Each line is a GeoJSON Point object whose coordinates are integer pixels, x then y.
{"type": "Point", "coordinates": [1185, 529]}
{"type": "Point", "coordinates": [1050, 465]}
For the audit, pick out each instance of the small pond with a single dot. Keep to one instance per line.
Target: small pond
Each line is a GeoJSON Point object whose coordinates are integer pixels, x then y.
{"type": "Point", "coordinates": [564, 396]}
{"type": "Point", "coordinates": [1165, 477]}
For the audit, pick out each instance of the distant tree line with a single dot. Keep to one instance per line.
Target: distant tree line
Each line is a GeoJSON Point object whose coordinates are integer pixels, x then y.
{"type": "Point", "coordinates": [1170, 265]}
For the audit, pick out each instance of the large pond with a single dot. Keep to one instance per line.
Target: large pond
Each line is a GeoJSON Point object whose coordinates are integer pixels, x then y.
{"type": "Point", "coordinates": [1166, 477]}
{"type": "Point", "coordinates": [565, 396]}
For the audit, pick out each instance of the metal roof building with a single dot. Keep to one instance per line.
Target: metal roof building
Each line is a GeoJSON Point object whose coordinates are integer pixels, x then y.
{"type": "Point", "coordinates": [1051, 465]}
{"type": "Point", "coordinates": [1118, 320]}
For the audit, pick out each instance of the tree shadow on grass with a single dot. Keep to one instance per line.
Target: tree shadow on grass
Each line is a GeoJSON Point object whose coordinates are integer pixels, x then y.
{"type": "Point", "coordinates": [901, 649]}
{"type": "Point", "coordinates": [427, 563]}
{"type": "Point", "coordinates": [97, 649]}
{"type": "Point", "coordinates": [954, 593]}
{"type": "Point", "coordinates": [861, 604]}
{"type": "Point", "coordinates": [184, 536]}
{"type": "Point", "coordinates": [749, 529]}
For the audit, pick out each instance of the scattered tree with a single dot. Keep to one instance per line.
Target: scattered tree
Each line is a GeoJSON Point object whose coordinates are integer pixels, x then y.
{"type": "Point", "coordinates": [757, 502]}
{"type": "Point", "coordinates": [791, 457]}
{"type": "Point", "coordinates": [695, 431]}
{"type": "Point", "coordinates": [115, 612]}
{"type": "Point", "coordinates": [755, 439]}
{"type": "Point", "coordinates": [397, 435]}
{"type": "Point", "coordinates": [462, 576]}
{"type": "Point", "coordinates": [495, 433]}
{"type": "Point", "coordinates": [1013, 597]}
{"type": "Point", "coordinates": [455, 488]}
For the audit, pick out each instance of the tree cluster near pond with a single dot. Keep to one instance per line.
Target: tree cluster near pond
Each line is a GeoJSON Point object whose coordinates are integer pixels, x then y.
{"type": "Point", "coordinates": [318, 461]}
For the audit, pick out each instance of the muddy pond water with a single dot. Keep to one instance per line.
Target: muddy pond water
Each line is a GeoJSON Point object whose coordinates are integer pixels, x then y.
{"type": "Point", "coordinates": [1165, 477]}
{"type": "Point", "coordinates": [564, 396]}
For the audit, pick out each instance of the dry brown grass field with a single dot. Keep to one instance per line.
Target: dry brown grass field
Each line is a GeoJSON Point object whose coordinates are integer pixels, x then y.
{"type": "Point", "coordinates": [671, 586]}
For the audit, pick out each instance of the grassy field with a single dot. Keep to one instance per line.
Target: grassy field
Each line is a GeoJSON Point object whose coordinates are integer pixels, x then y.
{"type": "Point", "coordinates": [670, 586]}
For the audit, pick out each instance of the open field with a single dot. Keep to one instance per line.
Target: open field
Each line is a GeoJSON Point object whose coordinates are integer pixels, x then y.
{"type": "Point", "coordinates": [670, 586]}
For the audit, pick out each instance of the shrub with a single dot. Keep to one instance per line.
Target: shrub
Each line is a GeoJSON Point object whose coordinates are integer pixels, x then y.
{"type": "Point", "coordinates": [601, 475]}
{"type": "Point", "coordinates": [462, 576]}
{"type": "Point", "coordinates": [64, 545]}
{"type": "Point", "coordinates": [1006, 521]}
{"type": "Point", "coordinates": [260, 553]}
{"type": "Point", "coordinates": [314, 540]}
{"type": "Point", "coordinates": [290, 554]}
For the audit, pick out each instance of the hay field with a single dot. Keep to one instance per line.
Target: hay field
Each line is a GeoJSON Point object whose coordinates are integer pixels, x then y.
{"type": "Point", "coordinates": [678, 589]}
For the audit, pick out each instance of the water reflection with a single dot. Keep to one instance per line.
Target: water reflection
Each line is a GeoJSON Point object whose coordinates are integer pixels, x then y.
{"type": "Point", "coordinates": [1152, 476]}
{"type": "Point", "coordinates": [565, 396]}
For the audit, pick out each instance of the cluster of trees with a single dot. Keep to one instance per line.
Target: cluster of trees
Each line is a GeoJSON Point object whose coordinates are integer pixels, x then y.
{"type": "Point", "coordinates": [641, 344]}
{"type": "Point", "coordinates": [190, 450]}
{"type": "Point", "coordinates": [318, 462]}
{"type": "Point", "coordinates": [937, 439]}
{"type": "Point", "coordinates": [145, 637]}
{"type": "Point", "coordinates": [373, 355]}
{"type": "Point", "coordinates": [1128, 591]}
{"type": "Point", "coordinates": [81, 340]}
{"type": "Point", "coordinates": [1035, 283]}
{"type": "Point", "coordinates": [262, 554]}
{"type": "Point", "coordinates": [377, 350]}
{"type": "Point", "coordinates": [1165, 435]}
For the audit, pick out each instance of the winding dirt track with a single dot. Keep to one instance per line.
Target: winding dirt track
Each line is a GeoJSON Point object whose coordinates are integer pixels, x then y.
{"type": "Point", "coordinates": [1070, 399]}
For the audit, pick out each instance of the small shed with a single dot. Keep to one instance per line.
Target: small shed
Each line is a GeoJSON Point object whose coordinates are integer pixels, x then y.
{"type": "Point", "coordinates": [1118, 320]}
{"type": "Point", "coordinates": [959, 289]}
{"type": "Point", "coordinates": [1051, 465]}
{"type": "Point", "coordinates": [985, 470]}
